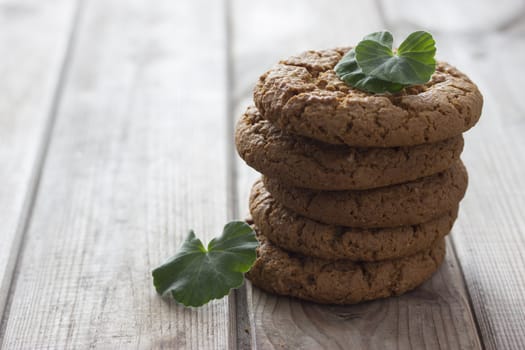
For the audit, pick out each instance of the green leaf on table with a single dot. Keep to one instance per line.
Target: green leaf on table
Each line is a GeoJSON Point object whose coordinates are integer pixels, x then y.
{"type": "Point", "coordinates": [374, 67]}
{"type": "Point", "coordinates": [413, 63]}
{"type": "Point", "coordinates": [349, 71]}
{"type": "Point", "coordinates": [196, 275]}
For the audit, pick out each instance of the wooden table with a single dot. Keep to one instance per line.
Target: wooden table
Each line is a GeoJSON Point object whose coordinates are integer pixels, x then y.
{"type": "Point", "coordinates": [116, 120]}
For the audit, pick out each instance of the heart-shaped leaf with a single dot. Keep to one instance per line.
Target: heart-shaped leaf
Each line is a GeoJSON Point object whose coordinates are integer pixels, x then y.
{"type": "Point", "coordinates": [413, 63]}
{"type": "Point", "coordinates": [349, 71]}
{"type": "Point", "coordinates": [196, 275]}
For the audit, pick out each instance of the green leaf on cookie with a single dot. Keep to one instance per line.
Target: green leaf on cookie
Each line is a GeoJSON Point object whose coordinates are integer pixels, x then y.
{"type": "Point", "coordinates": [349, 71]}
{"type": "Point", "coordinates": [374, 67]}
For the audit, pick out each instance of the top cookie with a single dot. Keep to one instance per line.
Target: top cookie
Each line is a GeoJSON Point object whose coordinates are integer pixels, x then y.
{"type": "Point", "coordinates": [303, 95]}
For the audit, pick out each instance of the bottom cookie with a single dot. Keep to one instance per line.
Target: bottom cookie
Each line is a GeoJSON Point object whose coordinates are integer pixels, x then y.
{"type": "Point", "coordinates": [340, 281]}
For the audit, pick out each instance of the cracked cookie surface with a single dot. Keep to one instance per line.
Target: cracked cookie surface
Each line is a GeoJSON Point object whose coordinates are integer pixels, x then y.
{"type": "Point", "coordinates": [397, 205]}
{"type": "Point", "coordinates": [303, 95]}
{"type": "Point", "coordinates": [304, 162]}
{"type": "Point", "coordinates": [340, 281]}
{"type": "Point", "coordinates": [301, 235]}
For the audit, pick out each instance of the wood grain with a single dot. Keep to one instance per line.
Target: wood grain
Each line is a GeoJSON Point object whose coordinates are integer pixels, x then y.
{"type": "Point", "coordinates": [474, 17]}
{"type": "Point", "coordinates": [112, 146]}
{"type": "Point", "coordinates": [435, 316]}
{"type": "Point", "coordinates": [136, 159]}
{"type": "Point", "coordinates": [33, 44]}
{"type": "Point", "coordinates": [490, 232]}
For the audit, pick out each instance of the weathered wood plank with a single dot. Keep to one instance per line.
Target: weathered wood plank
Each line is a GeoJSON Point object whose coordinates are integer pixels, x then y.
{"type": "Point", "coordinates": [490, 233]}
{"type": "Point", "coordinates": [437, 315]}
{"type": "Point", "coordinates": [137, 158]}
{"type": "Point", "coordinates": [433, 316]}
{"type": "Point", "coordinates": [33, 43]}
{"type": "Point", "coordinates": [467, 16]}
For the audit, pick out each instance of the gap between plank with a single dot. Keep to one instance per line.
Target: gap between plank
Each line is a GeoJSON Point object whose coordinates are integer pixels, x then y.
{"type": "Point", "coordinates": [32, 193]}
{"type": "Point", "coordinates": [389, 26]}
{"type": "Point", "coordinates": [467, 292]}
{"type": "Point", "coordinates": [241, 330]}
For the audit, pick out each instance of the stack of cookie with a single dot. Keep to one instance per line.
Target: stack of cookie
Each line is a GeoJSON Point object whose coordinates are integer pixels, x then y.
{"type": "Point", "coordinates": [358, 190]}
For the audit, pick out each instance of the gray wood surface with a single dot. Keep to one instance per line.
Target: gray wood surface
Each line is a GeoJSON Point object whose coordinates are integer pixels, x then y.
{"type": "Point", "coordinates": [116, 126]}
{"type": "Point", "coordinates": [33, 45]}
{"type": "Point", "coordinates": [491, 231]}
{"type": "Point", "coordinates": [489, 45]}
{"type": "Point", "coordinates": [136, 159]}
